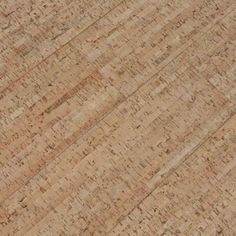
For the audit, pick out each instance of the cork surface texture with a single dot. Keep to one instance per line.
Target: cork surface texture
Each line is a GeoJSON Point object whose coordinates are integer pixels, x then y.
{"type": "Point", "coordinates": [117, 117]}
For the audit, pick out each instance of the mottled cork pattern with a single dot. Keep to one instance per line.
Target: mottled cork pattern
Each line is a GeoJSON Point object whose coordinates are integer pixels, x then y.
{"type": "Point", "coordinates": [117, 117]}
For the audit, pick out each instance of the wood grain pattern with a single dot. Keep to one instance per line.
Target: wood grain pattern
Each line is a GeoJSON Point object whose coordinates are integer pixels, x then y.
{"type": "Point", "coordinates": [118, 117]}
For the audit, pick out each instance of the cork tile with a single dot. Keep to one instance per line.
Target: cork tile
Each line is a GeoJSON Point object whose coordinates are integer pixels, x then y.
{"type": "Point", "coordinates": [33, 30]}
{"type": "Point", "coordinates": [198, 198]}
{"type": "Point", "coordinates": [105, 168]}
{"type": "Point", "coordinates": [117, 117]}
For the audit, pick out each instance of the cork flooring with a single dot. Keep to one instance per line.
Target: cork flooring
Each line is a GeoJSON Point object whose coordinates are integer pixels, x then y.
{"type": "Point", "coordinates": [117, 117]}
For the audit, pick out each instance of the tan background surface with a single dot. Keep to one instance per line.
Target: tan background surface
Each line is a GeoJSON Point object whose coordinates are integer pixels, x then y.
{"type": "Point", "coordinates": [117, 117]}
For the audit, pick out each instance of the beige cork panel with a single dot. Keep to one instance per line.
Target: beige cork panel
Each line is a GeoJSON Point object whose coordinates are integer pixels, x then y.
{"type": "Point", "coordinates": [159, 33]}
{"type": "Point", "coordinates": [33, 30]}
{"type": "Point", "coordinates": [117, 117]}
{"type": "Point", "coordinates": [106, 163]}
{"type": "Point", "coordinates": [198, 198]}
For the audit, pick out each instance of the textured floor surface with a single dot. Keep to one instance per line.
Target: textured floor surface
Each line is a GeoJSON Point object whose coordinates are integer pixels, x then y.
{"type": "Point", "coordinates": [117, 117]}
